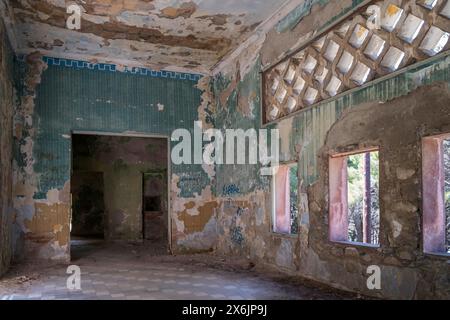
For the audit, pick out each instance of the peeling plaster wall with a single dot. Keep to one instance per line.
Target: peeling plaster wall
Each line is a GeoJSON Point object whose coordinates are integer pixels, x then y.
{"type": "Point", "coordinates": [394, 112]}
{"type": "Point", "coordinates": [229, 207]}
{"type": "Point", "coordinates": [160, 34]}
{"type": "Point", "coordinates": [123, 161]}
{"type": "Point", "coordinates": [7, 101]}
{"type": "Point", "coordinates": [61, 96]}
{"type": "Point", "coordinates": [406, 271]}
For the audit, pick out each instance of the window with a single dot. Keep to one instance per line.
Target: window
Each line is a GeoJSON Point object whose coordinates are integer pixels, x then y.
{"type": "Point", "coordinates": [285, 199]}
{"type": "Point", "coordinates": [447, 191]}
{"type": "Point", "coordinates": [436, 194]}
{"type": "Point", "coordinates": [354, 198]}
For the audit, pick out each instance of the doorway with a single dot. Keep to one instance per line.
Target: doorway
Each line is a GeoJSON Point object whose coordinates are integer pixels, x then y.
{"type": "Point", "coordinates": [88, 208]}
{"type": "Point", "coordinates": [119, 187]}
{"type": "Point", "coordinates": [154, 204]}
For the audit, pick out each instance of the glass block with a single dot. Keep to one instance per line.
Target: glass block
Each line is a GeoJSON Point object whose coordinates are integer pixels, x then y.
{"type": "Point", "coordinates": [275, 84]}
{"type": "Point", "coordinates": [310, 64]}
{"type": "Point", "coordinates": [360, 74]}
{"type": "Point", "coordinates": [299, 85]}
{"type": "Point", "coordinates": [281, 95]}
{"type": "Point", "coordinates": [281, 68]}
{"type": "Point", "coordinates": [446, 10]}
{"type": "Point", "coordinates": [290, 74]}
{"type": "Point", "coordinates": [358, 36]}
{"type": "Point", "coordinates": [391, 17]}
{"type": "Point", "coordinates": [392, 59]}
{"type": "Point", "coordinates": [346, 62]}
{"type": "Point", "coordinates": [334, 86]}
{"type": "Point", "coordinates": [343, 29]}
{"type": "Point", "coordinates": [375, 47]}
{"type": "Point", "coordinates": [318, 45]}
{"type": "Point", "coordinates": [311, 95]}
{"type": "Point", "coordinates": [331, 51]}
{"type": "Point", "coordinates": [411, 28]}
{"type": "Point", "coordinates": [291, 104]}
{"type": "Point", "coordinates": [300, 56]}
{"type": "Point", "coordinates": [435, 41]}
{"type": "Point", "coordinates": [274, 113]}
{"type": "Point", "coordinates": [429, 4]}
{"type": "Point", "coordinates": [321, 74]}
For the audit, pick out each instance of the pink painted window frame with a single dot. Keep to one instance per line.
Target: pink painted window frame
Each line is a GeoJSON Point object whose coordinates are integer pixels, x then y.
{"type": "Point", "coordinates": [281, 200]}
{"type": "Point", "coordinates": [338, 197]}
{"type": "Point", "coordinates": [433, 202]}
{"type": "Point", "coordinates": [338, 221]}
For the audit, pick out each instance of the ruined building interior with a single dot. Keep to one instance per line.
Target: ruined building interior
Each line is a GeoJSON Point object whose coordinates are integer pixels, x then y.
{"type": "Point", "coordinates": [356, 92]}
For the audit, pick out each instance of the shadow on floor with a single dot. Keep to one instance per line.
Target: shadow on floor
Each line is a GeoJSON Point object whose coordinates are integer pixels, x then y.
{"type": "Point", "coordinates": [84, 247]}
{"type": "Point", "coordinates": [90, 247]}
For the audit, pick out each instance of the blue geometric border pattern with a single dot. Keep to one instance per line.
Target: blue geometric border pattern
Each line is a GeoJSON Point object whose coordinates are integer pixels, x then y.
{"type": "Point", "coordinates": [79, 64]}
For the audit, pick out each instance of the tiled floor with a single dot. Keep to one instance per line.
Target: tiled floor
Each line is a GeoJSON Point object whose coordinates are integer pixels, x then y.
{"type": "Point", "coordinates": [131, 272]}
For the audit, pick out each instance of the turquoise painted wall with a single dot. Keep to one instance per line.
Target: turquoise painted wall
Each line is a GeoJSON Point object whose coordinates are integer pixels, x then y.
{"type": "Point", "coordinates": [77, 98]}
{"type": "Point", "coordinates": [239, 179]}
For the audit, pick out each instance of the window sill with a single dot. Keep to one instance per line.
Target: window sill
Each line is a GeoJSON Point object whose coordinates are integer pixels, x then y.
{"type": "Point", "coordinates": [357, 244]}
{"type": "Point", "coordinates": [439, 255]}
{"type": "Point", "coordinates": [284, 235]}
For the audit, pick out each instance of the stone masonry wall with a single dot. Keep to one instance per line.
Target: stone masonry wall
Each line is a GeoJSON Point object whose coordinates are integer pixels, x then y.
{"type": "Point", "coordinates": [392, 112]}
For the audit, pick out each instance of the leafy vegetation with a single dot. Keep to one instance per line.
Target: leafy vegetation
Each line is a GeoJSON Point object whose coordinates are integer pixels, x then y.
{"type": "Point", "coordinates": [293, 181]}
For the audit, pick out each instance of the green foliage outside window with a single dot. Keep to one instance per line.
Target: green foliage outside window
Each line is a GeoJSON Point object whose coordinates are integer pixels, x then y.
{"type": "Point", "coordinates": [356, 196]}
{"type": "Point", "coordinates": [293, 180]}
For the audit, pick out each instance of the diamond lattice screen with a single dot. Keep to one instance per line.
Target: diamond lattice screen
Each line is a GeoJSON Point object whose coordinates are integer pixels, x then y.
{"type": "Point", "coordinates": [379, 39]}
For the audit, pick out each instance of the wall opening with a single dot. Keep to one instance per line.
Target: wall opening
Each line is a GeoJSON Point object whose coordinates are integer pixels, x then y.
{"type": "Point", "coordinates": [447, 190]}
{"type": "Point", "coordinates": [88, 208]}
{"type": "Point", "coordinates": [436, 194]}
{"type": "Point", "coordinates": [154, 206]}
{"type": "Point", "coordinates": [354, 198]}
{"type": "Point", "coordinates": [285, 199]}
{"type": "Point", "coordinates": [119, 187]}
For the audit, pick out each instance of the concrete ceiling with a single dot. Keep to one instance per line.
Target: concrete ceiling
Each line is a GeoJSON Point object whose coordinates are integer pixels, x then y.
{"type": "Point", "coordinates": [180, 35]}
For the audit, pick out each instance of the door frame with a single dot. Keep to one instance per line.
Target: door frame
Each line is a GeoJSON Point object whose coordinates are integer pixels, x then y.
{"type": "Point", "coordinates": [150, 172]}
{"type": "Point", "coordinates": [135, 135]}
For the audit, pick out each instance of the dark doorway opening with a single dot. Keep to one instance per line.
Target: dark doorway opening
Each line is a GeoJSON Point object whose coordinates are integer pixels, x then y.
{"type": "Point", "coordinates": [119, 187]}
{"type": "Point", "coordinates": [88, 208]}
{"type": "Point", "coordinates": [154, 206]}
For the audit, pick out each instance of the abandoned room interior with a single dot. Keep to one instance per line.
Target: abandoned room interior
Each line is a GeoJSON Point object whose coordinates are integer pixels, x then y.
{"type": "Point", "coordinates": [207, 149]}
